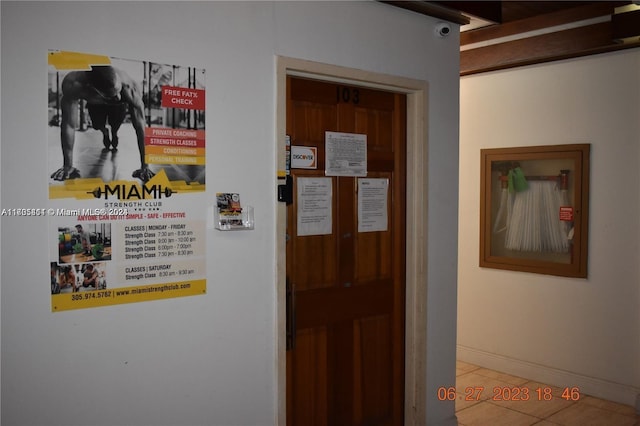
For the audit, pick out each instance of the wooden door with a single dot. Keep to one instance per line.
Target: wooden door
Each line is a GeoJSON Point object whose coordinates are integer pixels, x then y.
{"type": "Point", "coordinates": [346, 366]}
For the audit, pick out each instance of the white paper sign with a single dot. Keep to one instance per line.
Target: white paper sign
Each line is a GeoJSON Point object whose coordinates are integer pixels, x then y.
{"type": "Point", "coordinates": [346, 154]}
{"type": "Point", "coordinates": [314, 206]}
{"type": "Point", "coordinates": [373, 196]}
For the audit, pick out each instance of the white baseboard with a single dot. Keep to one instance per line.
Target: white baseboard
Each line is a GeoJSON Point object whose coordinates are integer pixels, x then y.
{"type": "Point", "coordinates": [598, 388]}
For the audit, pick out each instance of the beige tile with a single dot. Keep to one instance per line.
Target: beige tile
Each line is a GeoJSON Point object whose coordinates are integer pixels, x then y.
{"type": "Point", "coordinates": [475, 398]}
{"type": "Point", "coordinates": [583, 414]}
{"type": "Point", "coordinates": [484, 414]}
{"type": "Point", "coordinates": [531, 399]}
{"type": "Point", "coordinates": [514, 380]}
{"type": "Point", "coordinates": [465, 397]}
{"type": "Point", "coordinates": [474, 380]}
{"type": "Point", "coordinates": [475, 387]}
{"type": "Point", "coordinates": [626, 410]}
{"type": "Point", "coordinates": [464, 367]}
{"type": "Point", "coordinates": [462, 402]}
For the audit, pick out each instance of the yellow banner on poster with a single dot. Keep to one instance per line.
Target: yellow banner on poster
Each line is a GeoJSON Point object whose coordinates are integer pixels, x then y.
{"type": "Point", "coordinates": [90, 188]}
{"type": "Point", "coordinates": [63, 60]}
{"type": "Point", "coordinates": [173, 150]}
{"type": "Point", "coordinates": [185, 160]}
{"type": "Point", "coordinates": [118, 296]}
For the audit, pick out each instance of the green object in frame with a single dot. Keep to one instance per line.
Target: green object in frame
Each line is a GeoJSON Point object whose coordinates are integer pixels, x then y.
{"type": "Point", "coordinates": [97, 251]}
{"type": "Point", "coordinates": [517, 181]}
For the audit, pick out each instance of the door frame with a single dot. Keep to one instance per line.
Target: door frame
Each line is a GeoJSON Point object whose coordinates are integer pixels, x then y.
{"type": "Point", "coordinates": [415, 397]}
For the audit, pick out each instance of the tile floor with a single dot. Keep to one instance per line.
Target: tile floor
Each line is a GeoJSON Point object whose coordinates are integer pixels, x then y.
{"type": "Point", "coordinates": [543, 407]}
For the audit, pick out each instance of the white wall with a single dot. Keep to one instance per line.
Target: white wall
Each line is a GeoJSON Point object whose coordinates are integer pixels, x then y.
{"type": "Point", "coordinates": [206, 360]}
{"type": "Point", "coordinates": [574, 332]}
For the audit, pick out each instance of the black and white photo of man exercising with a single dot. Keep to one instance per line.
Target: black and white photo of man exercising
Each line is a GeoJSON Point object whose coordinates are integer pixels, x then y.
{"type": "Point", "coordinates": [108, 92]}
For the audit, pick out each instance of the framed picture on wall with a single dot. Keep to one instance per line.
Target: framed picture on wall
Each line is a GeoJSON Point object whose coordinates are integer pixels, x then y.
{"type": "Point", "coordinates": [534, 209]}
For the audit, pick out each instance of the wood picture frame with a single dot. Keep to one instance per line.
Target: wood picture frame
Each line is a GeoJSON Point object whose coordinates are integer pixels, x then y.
{"type": "Point", "coordinates": [534, 209]}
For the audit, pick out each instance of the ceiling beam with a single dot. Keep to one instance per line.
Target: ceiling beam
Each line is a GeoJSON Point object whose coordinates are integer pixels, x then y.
{"type": "Point", "coordinates": [431, 9]}
{"type": "Point", "coordinates": [490, 11]}
{"type": "Point", "coordinates": [581, 31]}
{"type": "Point", "coordinates": [626, 24]}
{"type": "Point", "coordinates": [537, 22]}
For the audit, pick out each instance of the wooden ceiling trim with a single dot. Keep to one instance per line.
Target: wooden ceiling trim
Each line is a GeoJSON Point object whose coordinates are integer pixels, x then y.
{"type": "Point", "coordinates": [431, 9]}
{"type": "Point", "coordinates": [538, 22]}
{"type": "Point", "coordinates": [566, 44]}
{"type": "Point", "coordinates": [486, 10]}
{"type": "Point", "coordinates": [626, 25]}
{"type": "Point", "coordinates": [585, 28]}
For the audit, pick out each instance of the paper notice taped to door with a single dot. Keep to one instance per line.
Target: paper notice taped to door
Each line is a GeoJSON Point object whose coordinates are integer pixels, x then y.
{"type": "Point", "coordinates": [346, 154]}
{"type": "Point", "coordinates": [373, 197]}
{"type": "Point", "coordinates": [314, 200]}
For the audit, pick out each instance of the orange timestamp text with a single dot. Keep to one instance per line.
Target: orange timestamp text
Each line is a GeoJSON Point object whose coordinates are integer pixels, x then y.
{"type": "Point", "coordinates": [507, 393]}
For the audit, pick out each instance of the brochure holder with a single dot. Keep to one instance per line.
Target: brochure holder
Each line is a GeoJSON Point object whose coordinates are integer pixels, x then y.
{"type": "Point", "coordinates": [230, 216]}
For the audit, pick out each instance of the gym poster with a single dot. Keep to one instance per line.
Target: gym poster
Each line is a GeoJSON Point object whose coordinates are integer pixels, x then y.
{"type": "Point", "coordinates": [126, 180]}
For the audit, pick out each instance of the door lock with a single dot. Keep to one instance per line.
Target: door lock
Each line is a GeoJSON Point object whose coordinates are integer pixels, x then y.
{"type": "Point", "coordinates": [285, 192]}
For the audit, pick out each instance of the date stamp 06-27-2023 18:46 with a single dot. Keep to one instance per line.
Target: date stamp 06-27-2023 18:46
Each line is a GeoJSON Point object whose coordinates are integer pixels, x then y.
{"type": "Point", "coordinates": [508, 393]}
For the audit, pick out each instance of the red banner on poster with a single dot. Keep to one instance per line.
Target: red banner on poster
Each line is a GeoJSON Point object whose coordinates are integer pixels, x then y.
{"type": "Point", "coordinates": [181, 97]}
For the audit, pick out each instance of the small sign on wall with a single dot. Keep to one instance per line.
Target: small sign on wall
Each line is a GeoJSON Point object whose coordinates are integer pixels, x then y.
{"type": "Point", "coordinates": [566, 213]}
{"type": "Point", "coordinates": [304, 157]}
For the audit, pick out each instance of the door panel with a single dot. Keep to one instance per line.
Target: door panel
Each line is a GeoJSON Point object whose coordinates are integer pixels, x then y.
{"type": "Point", "coordinates": [310, 373]}
{"type": "Point", "coordinates": [317, 255]}
{"type": "Point", "coordinates": [373, 333]}
{"type": "Point", "coordinates": [347, 366]}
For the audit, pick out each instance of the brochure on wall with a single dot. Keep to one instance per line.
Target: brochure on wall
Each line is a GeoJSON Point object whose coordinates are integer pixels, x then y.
{"type": "Point", "coordinates": [229, 210]}
{"type": "Point", "coordinates": [126, 142]}
{"type": "Point", "coordinates": [314, 206]}
{"type": "Point", "coordinates": [373, 205]}
{"type": "Point", "coordinates": [346, 154]}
